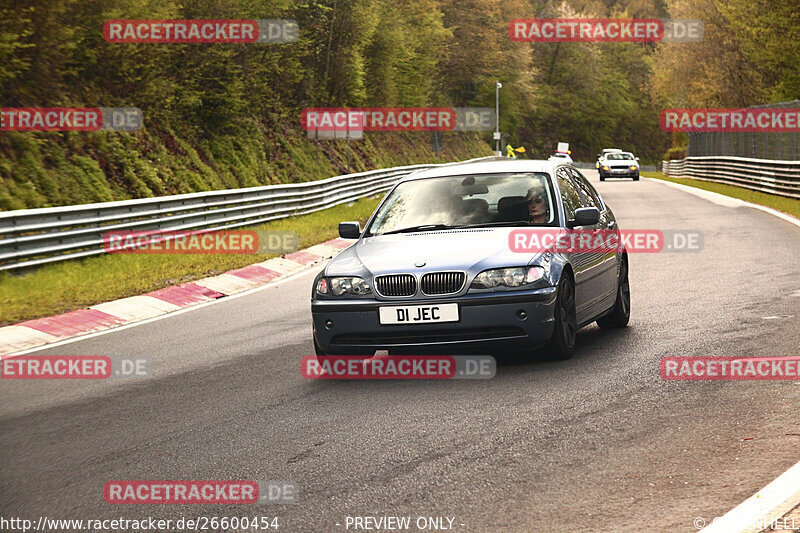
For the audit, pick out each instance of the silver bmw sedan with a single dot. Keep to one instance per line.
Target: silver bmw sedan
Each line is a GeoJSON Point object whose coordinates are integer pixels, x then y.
{"type": "Point", "coordinates": [436, 268]}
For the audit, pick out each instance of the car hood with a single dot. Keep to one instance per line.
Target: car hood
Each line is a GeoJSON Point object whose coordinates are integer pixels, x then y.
{"type": "Point", "coordinates": [469, 249]}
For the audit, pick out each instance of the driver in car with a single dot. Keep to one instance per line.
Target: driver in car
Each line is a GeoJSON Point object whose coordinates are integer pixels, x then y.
{"type": "Point", "coordinates": [538, 210]}
{"type": "Point", "coordinates": [443, 205]}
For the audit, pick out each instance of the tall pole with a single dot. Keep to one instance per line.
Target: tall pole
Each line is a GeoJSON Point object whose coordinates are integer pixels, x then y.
{"type": "Point", "coordinates": [348, 143]}
{"type": "Point", "coordinates": [497, 113]}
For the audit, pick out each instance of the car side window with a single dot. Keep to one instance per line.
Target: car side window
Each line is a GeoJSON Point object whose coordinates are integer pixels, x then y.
{"type": "Point", "coordinates": [569, 194]}
{"type": "Point", "coordinates": [589, 195]}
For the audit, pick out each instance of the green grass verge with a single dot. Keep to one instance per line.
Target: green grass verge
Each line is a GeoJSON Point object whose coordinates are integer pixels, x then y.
{"type": "Point", "coordinates": [63, 287]}
{"type": "Point", "coordinates": [781, 203]}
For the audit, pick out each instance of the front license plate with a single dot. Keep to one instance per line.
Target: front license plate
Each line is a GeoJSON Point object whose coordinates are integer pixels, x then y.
{"type": "Point", "coordinates": [418, 314]}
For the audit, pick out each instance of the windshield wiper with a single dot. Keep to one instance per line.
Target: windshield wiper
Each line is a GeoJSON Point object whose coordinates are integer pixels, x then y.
{"type": "Point", "coordinates": [435, 227]}
{"type": "Point", "coordinates": [422, 227]}
{"type": "Point", "coordinates": [504, 223]}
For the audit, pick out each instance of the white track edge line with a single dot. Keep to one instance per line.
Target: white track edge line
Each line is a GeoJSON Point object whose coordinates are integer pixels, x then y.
{"type": "Point", "coordinates": [694, 191]}
{"type": "Point", "coordinates": [750, 515]}
{"type": "Point", "coordinates": [756, 513]}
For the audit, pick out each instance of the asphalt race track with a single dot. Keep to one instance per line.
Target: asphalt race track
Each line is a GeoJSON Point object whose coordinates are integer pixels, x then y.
{"type": "Point", "coordinates": [596, 443]}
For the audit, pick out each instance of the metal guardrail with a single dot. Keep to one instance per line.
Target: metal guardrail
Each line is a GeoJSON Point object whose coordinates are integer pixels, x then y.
{"type": "Point", "coordinates": [765, 175]}
{"type": "Point", "coordinates": [32, 237]}
{"type": "Point", "coordinates": [781, 146]}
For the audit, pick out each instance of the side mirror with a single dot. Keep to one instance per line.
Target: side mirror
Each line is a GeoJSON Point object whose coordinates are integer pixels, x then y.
{"type": "Point", "coordinates": [637, 158]}
{"type": "Point", "coordinates": [349, 230]}
{"type": "Point", "coordinates": [585, 216]}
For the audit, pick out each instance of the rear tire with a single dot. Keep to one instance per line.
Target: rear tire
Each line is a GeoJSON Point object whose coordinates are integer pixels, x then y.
{"type": "Point", "coordinates": [561, 345]}
{"type": "Point", "coordinates": [636, 178]}
{"type": "Point", "coordinates": [602, 178]}
{"type": "Point", "coordinates": [621, 312]}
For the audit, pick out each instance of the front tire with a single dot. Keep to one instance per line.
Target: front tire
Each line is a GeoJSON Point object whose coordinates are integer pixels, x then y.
{"type": "Point", "coordinates": [621, 312]}
{"type": "Point", "coordinates": [561, 345]}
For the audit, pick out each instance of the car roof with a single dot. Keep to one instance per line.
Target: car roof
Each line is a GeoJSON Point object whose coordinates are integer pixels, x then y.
{"type": "Point", "coordinates": [487, 166]}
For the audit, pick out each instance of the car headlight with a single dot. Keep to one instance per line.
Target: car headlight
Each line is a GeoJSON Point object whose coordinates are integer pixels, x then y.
{"type": "Point", "coordinates": [509, 277]}
{"type": "Point", "coordinates": [634, 167]}
{"type": "Point", "coordinates": [339, 286]}
{"type": "Point", "coordinates": [605, 168]}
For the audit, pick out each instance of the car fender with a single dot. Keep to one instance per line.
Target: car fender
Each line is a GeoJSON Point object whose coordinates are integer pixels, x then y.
{"type": "Point", "coordinates": [555, 268]}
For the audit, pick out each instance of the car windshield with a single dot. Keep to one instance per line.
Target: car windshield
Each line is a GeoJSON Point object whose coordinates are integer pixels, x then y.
{"type": "Point", "coordinates": [467, 201]}
{"type": "Point", "coordinates": [619, 157]}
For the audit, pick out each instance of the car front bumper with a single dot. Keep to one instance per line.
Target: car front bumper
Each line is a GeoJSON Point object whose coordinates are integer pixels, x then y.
{"type": "Point", "coordinates": [626, 173]}
{"type": "Point", "coordinates": [487, 323]}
